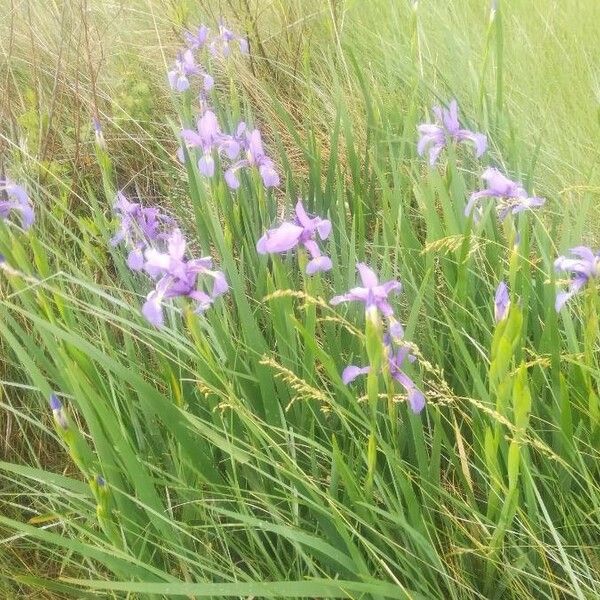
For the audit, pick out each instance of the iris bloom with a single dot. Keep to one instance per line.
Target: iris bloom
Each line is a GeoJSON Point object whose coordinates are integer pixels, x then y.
{"type": "Point", "coordinates": [196, 40]}
{"type": "Point", "coordinates": [255, 157]}
{"type": "Point", "coordinates": [137, 228]}
{"type": "Point", "coordinates": [98, 132]}
{"type": "Point", "coordinates": [178, 277]}
{"type": "Point", "coordinates": [501, 302]}
{"type": "Point", "coordinates": [58, 412]}
{"type": "Point", "coordinates": [396, 359]}
{"type": "Point", "coordinates": [209, 137]}
{"type": "Point", "coordinates": [184, 67]}
{"type": "Point", "coordinates": [18, 201]}
{"type": "Point", "coordinates": [583, 268]}
{"type": "Point", "coordinates": [372, 294]}
{"type": "Point", "coordinates": [434, 136]}
{"type": "Point", "coordinates": [302, 231]}
{"type": "Point", "coordinates": [221, 43]}
{"type": "Point", "coordinates": [511, 195]}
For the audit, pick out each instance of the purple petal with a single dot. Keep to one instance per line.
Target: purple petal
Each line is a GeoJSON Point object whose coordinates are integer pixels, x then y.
{"type": "Point", "coordinates": [208, 82]}
{"type": "Point", "coordinates": [319, 264]}
{"type": "Point", "coordinates": [220, 285]}
{"type": "Point", "coordinates": [269, 175]}
{"type": "Point", "coordinates": [191, 138]}
{"type": "Point", "coordinates": [302, 216]}
{"type": "Point", "coordinates": [351, 372]}
{"type": "Point", "coordinates": [416, 400]}
{"type": "Point", "coordinates": [208, 126]}
{"type": "Point", "coordinates": [281, 239]}
{"type": "Point", "coordinates": [255, 147]}
{"type": "Point", "coordinates": [367, 276]}
{"type": "Point", "coordinates": [324, 228]}
{"type": "Point", "coordinates": [231, 179]}
{"type": "Point", "coordinates": [501, 302]}
{"type": "Point", "coordinates": [182, 83]}
{"type": "Point", "coordinates": [55, 403]}
{"type": "Point", "coordinates": [206, 165]}
{"type": "Point", "coordinates": [450, 117]}
{"type": "Point", "coordinates": [152, 309]}
{"type": "Point", "coordinates": [135, 260]}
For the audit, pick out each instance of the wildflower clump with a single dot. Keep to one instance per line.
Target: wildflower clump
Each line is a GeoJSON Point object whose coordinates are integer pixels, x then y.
{"type": "Point", "coordinates": [374, 296]}
{"type": "Point", "coordinates": [157, 247]}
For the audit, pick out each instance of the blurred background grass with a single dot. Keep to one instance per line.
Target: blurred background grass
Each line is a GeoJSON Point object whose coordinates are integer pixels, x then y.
{"type": "Point", "coordinates": [63, 61]}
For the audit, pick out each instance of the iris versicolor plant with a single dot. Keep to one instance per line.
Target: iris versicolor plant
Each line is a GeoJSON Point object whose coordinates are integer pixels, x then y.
{"type": "Point", "coordinates": [139, 227]}
{"type": "Point", "coordinates": [17, 201]}
{"type": "Point", "coordinates": [177, 276]}
{"type": "Point", "coordinates": [434, 136]}
{"type": "Point", "coordinates": [583, 269]}
{"type": "Point", "coordinates": [375, 297]}
{"type": "Point", "coordinates": [512, 197]}
{"type": "Point", "coordinates": [158, 248]}
{"type": "Point", "coordinates": [302, 231]}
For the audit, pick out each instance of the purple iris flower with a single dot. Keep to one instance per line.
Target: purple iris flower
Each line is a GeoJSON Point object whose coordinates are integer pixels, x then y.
{"type": "Point", "coordinates": [178, 277]}
{"type": "Point", "coordinates": [98, 132]}
{"type": "Point", "coordinates": [184, 67]}
{"type": "Point", "coordinates": [501, 302]}
{"type": "Point", "coordinates": [221, 43]}
{"type": "Point", "coordinates": [137, 228]}
{"type": "Point", "coordinates": [373, 294]}
{"type": "Point", "coordinates": [302, 231]}
{"type": "Point", "coordinates": [58, 412]}
{"type": "Point", "coordinates": [195, 40]}
{"type": "Point", "coordinates": [434, 136]}
{"type": "Point", "coordinates": [583, 268]}
{"type": "Point", "coordinates": [255, 157]}
{"type": "Point", "coordinates": [512, 195]}
{"type": "Point", "coordinates": [209, 137]}
{"type": "Point", "coordinates": [18, 200]}
{"type": "Point", "coordinates": [396, 358]}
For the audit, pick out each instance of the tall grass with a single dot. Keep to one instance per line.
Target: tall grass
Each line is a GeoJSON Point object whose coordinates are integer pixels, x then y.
{"type": "Point", "coordinates": [236, 461]}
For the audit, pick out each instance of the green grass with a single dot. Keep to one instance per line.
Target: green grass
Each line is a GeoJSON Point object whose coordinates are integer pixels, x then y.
{"type": "Point", "coordinates": [237, 462]}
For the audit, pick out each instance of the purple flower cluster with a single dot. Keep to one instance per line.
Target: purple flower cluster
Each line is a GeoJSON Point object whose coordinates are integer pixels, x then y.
{"type": "Point", "coordinates": [374, 296]}
{"type": "Point", "coordinates": [255, 157]}
{"type": "Point", "coordinates": [17, 201]}
{"type": "Point", "coordinates": [584, 268]}
{"type": "Point", "coordinates": [158, 248]}
{"type": "Point", "coordinates": [511, 195]}
{"type": "Point", "coordinates": [208, 138]}
{"type": "Point", "coordinates": [435, 136]}
{"type": "Point", "coordinates": [177, 276]}
{"type": "Point", "coordinates": [186, 66]}
{"type": "Point", "coordinates": [219, 44]}
{"type": "Point", "coordinates": [138, 228]}
{"type": "Point", "coordinates": [243, 148]}
{"type": "Point", "coordinates": [302, 231]}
